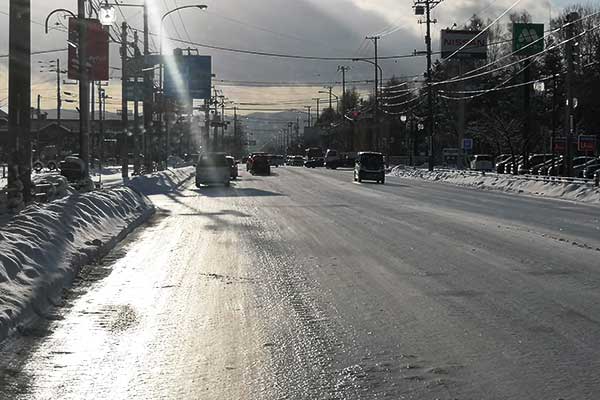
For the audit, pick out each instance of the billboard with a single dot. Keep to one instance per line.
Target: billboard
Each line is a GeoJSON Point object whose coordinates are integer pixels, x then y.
{"type": "Point", "coordinates": [526, 34]}
{"type": "Point", "coordinates": [453, 40]}
{"type": "Point", "coordinates": [188, 77]}
{"type": "Point", "coordinates": [96, 45]}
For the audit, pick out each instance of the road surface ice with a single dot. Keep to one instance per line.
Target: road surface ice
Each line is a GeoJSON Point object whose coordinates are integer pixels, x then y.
{"type": "Point", "coordinates": [305, 285]}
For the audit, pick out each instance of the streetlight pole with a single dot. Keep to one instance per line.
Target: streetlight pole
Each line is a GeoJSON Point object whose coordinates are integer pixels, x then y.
{"type": "Point", "coordinates": [84, 87]}
{"type": "Point", "coordinates": [318, 103]}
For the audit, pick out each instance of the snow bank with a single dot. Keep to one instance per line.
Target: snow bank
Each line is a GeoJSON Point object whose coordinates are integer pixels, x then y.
{"type": "Point", "coordinates": [43, 247]}
{"type": "Point", "coordinates": [507, 183]}
{"type": "Point", "coordinates": [161, 182]}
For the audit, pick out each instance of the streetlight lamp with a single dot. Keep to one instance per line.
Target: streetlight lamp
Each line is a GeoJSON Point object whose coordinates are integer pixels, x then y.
{"type": "Point", "coordinates": [160, 38]}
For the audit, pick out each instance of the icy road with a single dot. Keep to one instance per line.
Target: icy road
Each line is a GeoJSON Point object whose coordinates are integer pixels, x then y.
{"type": "Point", "coordinates": [305, 285]}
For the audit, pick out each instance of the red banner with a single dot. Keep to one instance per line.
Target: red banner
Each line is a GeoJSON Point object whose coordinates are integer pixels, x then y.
{"type": "Point", "coordinates": [96, 49]}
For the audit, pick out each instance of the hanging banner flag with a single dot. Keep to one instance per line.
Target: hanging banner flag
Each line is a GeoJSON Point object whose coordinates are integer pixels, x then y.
{"type": "Point", "coordinates": [96, 49]}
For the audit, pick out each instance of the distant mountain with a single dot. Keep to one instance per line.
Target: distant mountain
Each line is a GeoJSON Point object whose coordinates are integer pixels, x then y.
{"type": "Point", "coordinates": [265, 127]}
{"type": "Point", "coordinates": [74, 114]}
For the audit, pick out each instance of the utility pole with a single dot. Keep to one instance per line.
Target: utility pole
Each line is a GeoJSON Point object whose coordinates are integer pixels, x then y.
{"type": "Point", "coordinates": [236, 141]}
{"type": "Point", "coordinates": [425, 6]}
{"type": "Point", "coordinates": [138, 143]}
{"type": "Point", "coordinates": [58, 95]}
{"type": "Point", "coordinates": [19, 102]}
{"type": "Point", "coordinates": [124, 120]}
{"type": "Point", "coordinates": [344, 69]}
{"type": "Point", "coordinates": [102, 107]}
{"type": "Point", "coordinates": [317, 119]}
{"type": "Point", "coordinates": [148, 92]}
{"type": "Point", "coordinates": [330, 89]}
{"type": "Point", "coordinates": [309, 115]}
{"type": "Point", "coordinates": [375, 40]}
{"type": "Point", "coordinates": [84, 88]}
{"type": "Point", "coordinates": [568, 123]}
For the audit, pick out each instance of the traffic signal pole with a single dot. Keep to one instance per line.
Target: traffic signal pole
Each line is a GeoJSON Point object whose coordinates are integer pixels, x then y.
{"type": "Point", "coordinates": [19, 98]}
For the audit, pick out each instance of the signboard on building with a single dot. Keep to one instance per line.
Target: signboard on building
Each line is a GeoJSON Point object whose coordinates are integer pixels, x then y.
{"type": "Point", "coordinates": [587, 144]}
{"type": "Point", "coordinates": [96, 50]}
{"type": "Point", "coordinates": [188, 77]}
{"type": "Point", "coordinates": [454, 40]}
{"type": "Point", "coordinates": [528, 39]}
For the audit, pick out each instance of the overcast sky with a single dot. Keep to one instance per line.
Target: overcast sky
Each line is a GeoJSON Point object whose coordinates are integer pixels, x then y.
{"type": "Point", "coordinates": [330, 28]}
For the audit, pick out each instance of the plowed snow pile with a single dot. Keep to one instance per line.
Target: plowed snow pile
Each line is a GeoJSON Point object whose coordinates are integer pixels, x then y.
{"type": "Point", "coordinates": [506, 183]}
{"type": "Point", "coordinates": [43, 247]}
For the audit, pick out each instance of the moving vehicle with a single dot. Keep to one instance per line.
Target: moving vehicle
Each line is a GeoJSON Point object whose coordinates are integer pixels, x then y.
{"type": "Point", "coordinates": [369, 166]}
{"type": "Point", "coordinates": [213, 168]}
{"type": "Point", "coordinates": [314, 163]}
{"type": "Point", "coordinates": [233, 166]}
{"type": "Point", "coordinates": [332, 159]}
{"type": "Point", "coordinates": [297, 161]}
{"type": "Point", "coordinates": [259, 165]}
{"type": "Point", "coordinates": [276, 160]}
{"type": "Point", "coordinates": [482, 162]}
{"type": "Point", "coordinates": [314, 152]}
{"type": "Point", "coordinates": [249, 160]}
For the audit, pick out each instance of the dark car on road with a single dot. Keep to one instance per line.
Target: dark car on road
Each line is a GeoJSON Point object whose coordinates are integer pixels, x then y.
{"type": "Point", "coordinates": [369, 166]}
{"type": "Point", "coordinates": [314, 163]}
{"type": "Point", "coordinates": [260, 165]}
{"type": "Point", "coordinates": [233, 165]}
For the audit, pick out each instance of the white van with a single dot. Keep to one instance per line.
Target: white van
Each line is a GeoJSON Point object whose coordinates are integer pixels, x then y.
{"type": "Point", "coordinates": [213, 168]}
{"type": "Point", "coordinates": [482, 162]}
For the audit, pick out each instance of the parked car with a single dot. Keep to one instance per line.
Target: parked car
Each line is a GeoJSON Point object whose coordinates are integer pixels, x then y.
{"type": "Point", "coordinates": [542, 168]}
{"type": "Point", "coordinates": [535, 159]}
{"type": "Point", "coordinates": [260, 165]}
{"type": "Point", "coordinates": [578, 169]}
{"type": "Point", "coordinates": [502, 163]}
{"type": "Point", "coordinates": [233, 166]}
{"type": "Point", "coordinates": [551, 166]}
{"type": "Point", "coordinates": [513, 164]}
{"type": "Point", "coordinates": [72, 168]}
{"type": "Point", "coordinates": [482, 162]}
{"type": "Point", "coordinates": [590, 170]}
{"type": "Point", "coordinates": [369, 166]}
{"type": "Point", "coordinates": [314, 163]}
{"type": "Point", "coordinates": [213, 168]}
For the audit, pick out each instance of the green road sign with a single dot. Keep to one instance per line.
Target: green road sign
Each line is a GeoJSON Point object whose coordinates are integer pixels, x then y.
{"type": "Point", "coordinates": [525, 34]}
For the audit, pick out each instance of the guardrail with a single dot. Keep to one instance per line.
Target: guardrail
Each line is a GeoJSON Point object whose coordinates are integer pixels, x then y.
{"type": "Point", "coordinates": [538, 178]}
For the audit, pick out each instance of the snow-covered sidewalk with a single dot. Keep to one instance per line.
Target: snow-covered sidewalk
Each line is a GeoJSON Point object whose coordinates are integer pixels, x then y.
{"type": "Point", "coordinates": [43, 247]}
{"type": "Point", "coordinates": [585, 193]}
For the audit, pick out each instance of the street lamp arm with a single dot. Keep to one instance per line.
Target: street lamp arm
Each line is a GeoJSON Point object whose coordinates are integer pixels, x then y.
{"type": "Point", "coordinates": [200, 6]}
{"type": "Point", "coordinates": [54, 12]}
{"type": "Point", "coordinates": [370, 62]}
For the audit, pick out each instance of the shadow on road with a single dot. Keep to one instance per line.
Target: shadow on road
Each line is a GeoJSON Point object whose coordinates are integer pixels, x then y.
{"type": "Point", "coordinates": [215, 191]}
